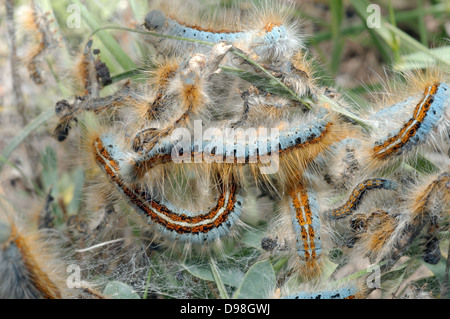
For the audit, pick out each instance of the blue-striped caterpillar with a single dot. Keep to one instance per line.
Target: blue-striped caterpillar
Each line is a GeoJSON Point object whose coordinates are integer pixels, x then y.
{"type": "Point", "coordinates": [428, 111]}
{"type": "Point", "coordinates": [264, 32]}
{"type": "Point", "coordinates": [185, 226]}
{"type": "Point", "coordinates": [272, 39]}
{"type": "Point", "coordinates": [240, 146]}
{"type": "Point", "coordinates": [419, 121]}
{"type": "Point", "coordinates": [304, 210]}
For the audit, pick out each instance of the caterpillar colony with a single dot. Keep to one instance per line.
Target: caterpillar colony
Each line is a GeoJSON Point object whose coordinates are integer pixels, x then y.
{"type": "Point", "coordinates": [177, 162]}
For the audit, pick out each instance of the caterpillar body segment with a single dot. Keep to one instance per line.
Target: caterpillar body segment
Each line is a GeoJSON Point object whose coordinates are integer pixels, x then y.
{"type": "Point", "coordinates": [306, 222]}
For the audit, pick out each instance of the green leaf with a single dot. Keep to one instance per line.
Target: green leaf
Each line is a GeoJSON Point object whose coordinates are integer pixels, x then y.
{"type": "Point", "coordinates": [259, 282]}
{"type": "Point", "coordinates": [119, 290]}
{"type": "Point", "coordinates": [264, 83]}
{"type": "Point", "coordinates": [252, 238]}
{"type": "Point", "coordinates": [328, 269]}
{"type": "Point", "coordinates": [230, 277]}
{"type": "Point", "coordinates": [423, 165]}
{"type": "Point", "coordinates": [438, 270]}
{"type": "Point", "coordinates": [339, 109]}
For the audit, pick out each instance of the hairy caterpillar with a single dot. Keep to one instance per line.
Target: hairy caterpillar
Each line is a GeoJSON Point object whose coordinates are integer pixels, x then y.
{"type": "Point", "coordinates": [426, 205]}
{"type": "Point", "coordinates": [296, 137]}
{"type": "Point", "coordinates": [35, 24]}
{"type": "Point", "coordinates": [187, 92]}
{"type": "Point", "coordinates": [149, 151]}
{"type": "Point", "coordinates": [160, 80]}
{"type": "Point", "coordinates": [273, 39]}
{"type": "Point", "coordinates": [358, 194]}
{"type": "Point", "coordinates": [24, 273]}
{"type": "Point", "coordinates": [426, 114]}
{"type": "Point", "coordinates": [184, 225]}
{"type": "Point", "coordinates": [306, 222]}
{"type": "Point", "coordinates": [374, 230]}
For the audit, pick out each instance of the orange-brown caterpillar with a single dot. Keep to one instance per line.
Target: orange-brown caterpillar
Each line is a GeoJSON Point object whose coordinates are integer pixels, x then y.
{"type": "Point", "coordinates": [425, 116]}
{"type": "Point", "coordinates": [358, 194]}
{"type": "Point", "coordinates": [306, 222]}
{"type": "Point", "coordinates": [24, 273]}
{"type": "Point", "coordinates": [184, 226]}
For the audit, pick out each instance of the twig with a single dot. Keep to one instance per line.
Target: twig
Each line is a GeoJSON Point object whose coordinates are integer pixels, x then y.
{"type": "Point", "coordinates": [16, 87]}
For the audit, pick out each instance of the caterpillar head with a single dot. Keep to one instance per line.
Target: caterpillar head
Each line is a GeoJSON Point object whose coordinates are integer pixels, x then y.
{"type": "Point", "coordinates": [155, 20]}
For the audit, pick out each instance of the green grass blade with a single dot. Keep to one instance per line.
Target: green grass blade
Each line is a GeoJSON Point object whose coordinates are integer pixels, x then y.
{"type": "Point", "coordinates": [414, 45]}
{"type": "Point", "coordinates": [339, 109]}
{"type": "Point", "coordinates": [220, 286]}
{"type": "Point", "coordinates": [357, 28]}
{"type": "Point", "coordinates": [395, 41]}
{"type": "Point", "coordinates": [422, 28]}
{"type": "Point", "coordinates": [133, 73]}
{"type": "Point", "coordinates": [360, 7]}
{"type": "Point", "coordinates": [107, 39]}
{"type": "Point", "coordinates": [259, 281]}
{"type": "Point", "coordinates": [337, 12]}
{"type": "Point", "coordinates": [261, 82]}
{"type": "Point", "coordinates": [147, 284]}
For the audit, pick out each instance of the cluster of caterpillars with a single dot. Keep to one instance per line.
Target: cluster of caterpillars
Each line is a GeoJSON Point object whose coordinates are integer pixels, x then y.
{"type": "Point", "coordinates": [146, 135]}
{"type": "Point", "coordinates": [189, 86]}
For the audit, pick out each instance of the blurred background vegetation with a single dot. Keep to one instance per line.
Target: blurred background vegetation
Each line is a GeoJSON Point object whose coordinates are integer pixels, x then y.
{"type": "Point", "coordinates": [350, 57]}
